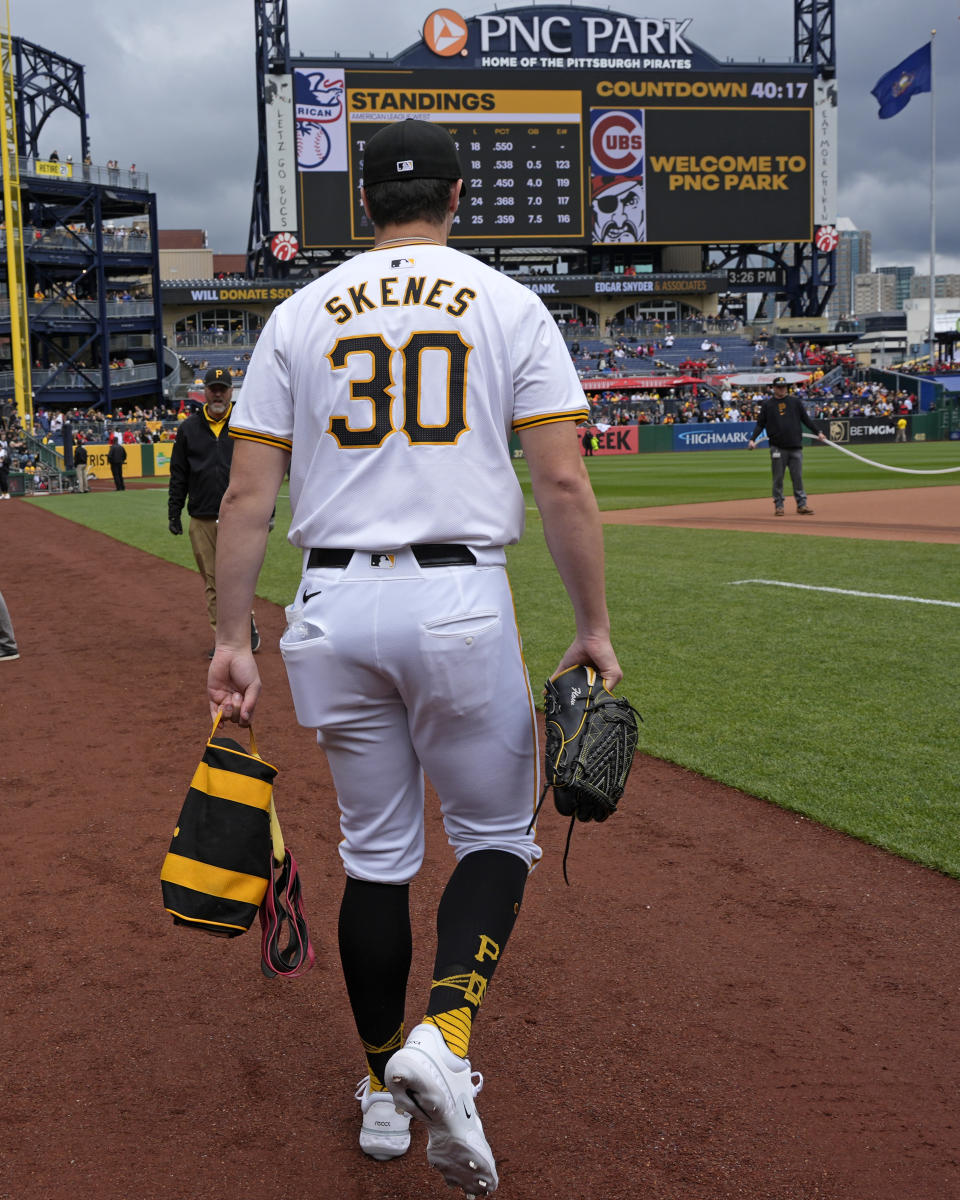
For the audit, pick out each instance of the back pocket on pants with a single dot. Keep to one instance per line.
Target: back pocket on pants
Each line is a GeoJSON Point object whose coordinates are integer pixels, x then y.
{"type": "Point", "coordinates": [461, 658]}
{"type": "Point", "coordinates": [303, 661]}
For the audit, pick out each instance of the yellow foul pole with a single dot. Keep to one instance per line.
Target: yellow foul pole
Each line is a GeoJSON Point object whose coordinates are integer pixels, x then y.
{"type": "Point", "coordinates": [13, 223]}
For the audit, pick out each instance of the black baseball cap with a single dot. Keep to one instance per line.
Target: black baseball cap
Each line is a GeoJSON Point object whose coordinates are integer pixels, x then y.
{"type": "Point", "coordinates": [218, 375]}
{"type": "Point", "coordinates": [779, 381]}
{"type": "Point", "coordinates": [411, 150]}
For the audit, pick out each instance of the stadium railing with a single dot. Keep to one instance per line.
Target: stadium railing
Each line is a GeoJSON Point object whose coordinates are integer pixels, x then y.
{"type": "Point", "coordinates": [86, 172]}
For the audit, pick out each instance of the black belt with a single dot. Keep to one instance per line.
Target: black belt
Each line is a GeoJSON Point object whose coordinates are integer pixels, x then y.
{"type": "Point", "coordinates": [427, 554]}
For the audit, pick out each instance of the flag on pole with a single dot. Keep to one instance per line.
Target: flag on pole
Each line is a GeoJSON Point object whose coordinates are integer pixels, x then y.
{"type": "Point", "coordinates": [913, 75]}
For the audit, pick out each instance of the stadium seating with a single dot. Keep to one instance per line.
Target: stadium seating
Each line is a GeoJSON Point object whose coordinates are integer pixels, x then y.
{"type": "Point", "coordinates": [231, 358]}
{"type": "Point", "coordinates": [733, 350]}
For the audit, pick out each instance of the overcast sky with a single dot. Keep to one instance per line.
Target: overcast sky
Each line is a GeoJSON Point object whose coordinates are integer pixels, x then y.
{"type": "Point", "coordinates": [171, 86]}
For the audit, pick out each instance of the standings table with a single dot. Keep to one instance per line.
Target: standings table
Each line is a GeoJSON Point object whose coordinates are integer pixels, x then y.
{"type": "Point", "coordinates": [523, 171]}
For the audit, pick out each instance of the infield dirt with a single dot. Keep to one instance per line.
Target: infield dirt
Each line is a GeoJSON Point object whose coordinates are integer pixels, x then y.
{"type": "Point", "coordinates": [729, 1001]}
{"type": "Point", "coordinates": [927, 514]}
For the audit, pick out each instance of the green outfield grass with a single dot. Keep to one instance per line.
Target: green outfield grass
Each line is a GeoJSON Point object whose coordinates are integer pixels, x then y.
{"type": "Point", "coordinates": [688, 477]}
{"type": "Point", "coordinates": [839, 707]}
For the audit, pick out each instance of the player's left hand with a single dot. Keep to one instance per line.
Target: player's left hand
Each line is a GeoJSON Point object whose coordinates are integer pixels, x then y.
{"type": "Point", "coordinates": [593, 651]}
{"type": "Point", "coordinates": [233, 684]}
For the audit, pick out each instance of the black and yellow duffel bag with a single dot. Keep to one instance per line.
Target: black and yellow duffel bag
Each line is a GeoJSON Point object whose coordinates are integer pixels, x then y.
{"type": "Point", "coordinates": [217, 870]}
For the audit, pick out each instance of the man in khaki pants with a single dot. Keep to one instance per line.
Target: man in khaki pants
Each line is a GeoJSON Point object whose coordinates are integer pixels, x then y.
{"type": "Point", "coordinates": [80, 461]}
{"type": "Point", "coordinates": [199, 474]}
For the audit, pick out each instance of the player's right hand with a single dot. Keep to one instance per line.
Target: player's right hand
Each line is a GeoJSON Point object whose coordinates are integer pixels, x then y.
{"type": "Point", "coordinates": [174, 525]}
{"type": "Point", "coordinates": [233, 684]}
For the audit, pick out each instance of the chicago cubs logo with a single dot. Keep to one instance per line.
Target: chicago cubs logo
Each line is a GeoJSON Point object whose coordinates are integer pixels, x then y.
{"type": "Point", "coordinates": [445, 32]}
{"type": "Point", "coordinates": [284, 247]}
{"type": "Point", "coordinates": [616, 143]}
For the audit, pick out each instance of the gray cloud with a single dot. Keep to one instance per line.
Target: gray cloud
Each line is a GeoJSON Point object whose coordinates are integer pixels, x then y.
{"type": "Point", "coordinates": [172, 88]}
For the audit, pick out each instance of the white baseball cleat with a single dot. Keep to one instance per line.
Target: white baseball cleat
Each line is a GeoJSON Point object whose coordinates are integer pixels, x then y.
{"type": "Point", "coordinates": [385, 1131]}
{"type": "Point", "coordinates": [432, 1084]}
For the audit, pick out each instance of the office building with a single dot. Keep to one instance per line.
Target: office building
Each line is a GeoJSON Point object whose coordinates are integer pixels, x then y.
{"type": "Point", "coordinates": [853, 258]}
{"type": "Point", "coordinates": [874, 293]}
{"type": "Point", "coordinates": [903, 277]}
{"type": "Point", "coordinates": [946, 286]}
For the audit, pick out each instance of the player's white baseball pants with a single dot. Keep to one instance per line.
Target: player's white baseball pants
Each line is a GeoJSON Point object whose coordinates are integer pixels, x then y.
{"type": "Point", "coordinates": [418, 669]}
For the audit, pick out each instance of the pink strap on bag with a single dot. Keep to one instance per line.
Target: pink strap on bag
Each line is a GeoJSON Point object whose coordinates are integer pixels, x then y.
{"type": "Point", "coordinates": [282, 919]}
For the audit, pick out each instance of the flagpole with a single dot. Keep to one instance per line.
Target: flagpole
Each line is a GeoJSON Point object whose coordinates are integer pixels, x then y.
{"type": "Point", "coordinates": [933, 208]}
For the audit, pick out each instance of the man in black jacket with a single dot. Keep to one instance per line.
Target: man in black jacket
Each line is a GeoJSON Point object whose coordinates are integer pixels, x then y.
{"type": "Point", "coordinates": [781, 415]}
{"type": "Point", "coordinates": [80, 460]}
{"type": "Point", "coordinates": [116, 457]}
{"type": "Point", "coordinates": [199, 474]}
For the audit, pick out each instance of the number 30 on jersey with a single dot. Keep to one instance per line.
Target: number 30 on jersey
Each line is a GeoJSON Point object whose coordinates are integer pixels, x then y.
{"type": "Point", "coordinates": [375, 390]}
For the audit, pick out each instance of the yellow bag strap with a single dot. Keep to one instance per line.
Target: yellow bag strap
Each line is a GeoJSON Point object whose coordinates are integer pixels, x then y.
{"type": "Point", "coordinates": [253, 741]}
{"type": "Point", "coordinates": [276, 834]}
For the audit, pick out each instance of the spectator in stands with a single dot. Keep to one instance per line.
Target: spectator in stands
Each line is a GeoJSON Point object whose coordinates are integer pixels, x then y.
{"type": "Point", "coordinates": [116, 457]}
{"type": "Point", "coordinates": [199, 474]}
{"type": "Point", "coordinates": [8, 642]}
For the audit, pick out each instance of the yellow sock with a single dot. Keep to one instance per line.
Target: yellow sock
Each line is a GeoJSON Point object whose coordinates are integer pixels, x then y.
{"type": "Point", "coordinates": [455, 1028]}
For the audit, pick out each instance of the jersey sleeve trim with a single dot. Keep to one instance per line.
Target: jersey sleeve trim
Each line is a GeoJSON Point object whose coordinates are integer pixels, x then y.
{"type": "Point", "coordinates": [579, 416]}
{"type": "Point", "coordinates": [255, 435]}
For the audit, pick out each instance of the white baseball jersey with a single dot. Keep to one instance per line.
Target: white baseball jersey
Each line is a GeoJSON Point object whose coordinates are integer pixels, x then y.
{"type": "Point", "coordinates": [396, 381]}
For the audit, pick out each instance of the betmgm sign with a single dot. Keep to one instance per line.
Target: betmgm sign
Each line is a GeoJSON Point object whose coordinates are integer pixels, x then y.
{"type": "Point", "coordinates": [575, 126]}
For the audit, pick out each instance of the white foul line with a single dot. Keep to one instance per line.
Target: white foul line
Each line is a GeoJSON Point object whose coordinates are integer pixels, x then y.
{"type": "Point", "coordinates": [809, 587]}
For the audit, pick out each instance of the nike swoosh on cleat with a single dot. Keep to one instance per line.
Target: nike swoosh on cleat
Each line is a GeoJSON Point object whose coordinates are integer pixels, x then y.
{"type": "Point", "coordinates": [468, 1115]}
{"type": "Point", "coordinates": [310, 595]}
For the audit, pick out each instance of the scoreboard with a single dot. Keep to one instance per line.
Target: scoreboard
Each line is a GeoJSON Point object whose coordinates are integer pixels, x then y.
{"type": "Point", "coordinates": [600, 159]}
{"type": "Point", "coordinates": [575, 127]}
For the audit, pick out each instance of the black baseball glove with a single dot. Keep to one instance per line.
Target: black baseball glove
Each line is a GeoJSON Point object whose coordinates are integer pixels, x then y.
{"type": "Point", "coordinates": [175, 526]}
{"type": "Point", "coordinates": [591, 740]}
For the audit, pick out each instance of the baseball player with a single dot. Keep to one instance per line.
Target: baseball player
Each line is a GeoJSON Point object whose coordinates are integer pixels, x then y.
{"type": "Point", "coordinates": [391, 386]}
{"type": "Point", "coordinates": [199, 473]}
{"type": "Point", "coordinates": [781, 415]}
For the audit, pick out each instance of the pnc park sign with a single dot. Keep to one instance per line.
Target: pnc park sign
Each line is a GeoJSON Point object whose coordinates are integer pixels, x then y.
{"type": "Point", "coordinates": [578, 38]}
